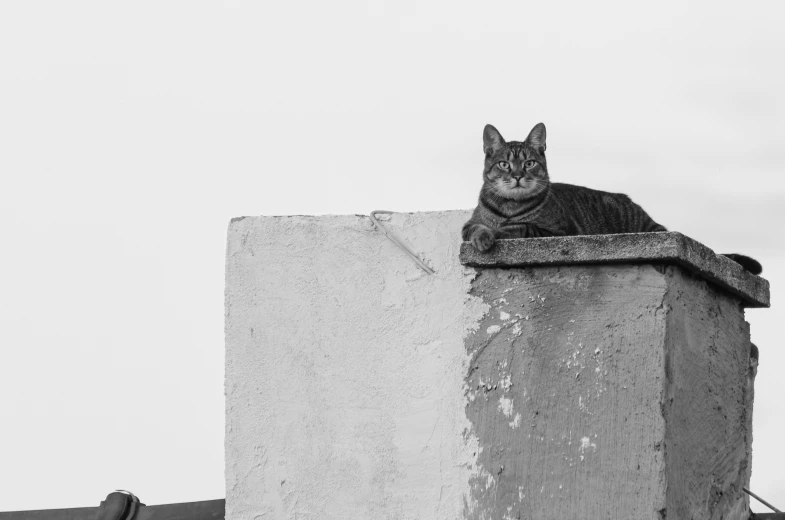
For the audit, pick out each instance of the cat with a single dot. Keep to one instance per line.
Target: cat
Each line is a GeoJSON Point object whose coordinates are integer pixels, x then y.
{"type": "Point", "coordinates": [517, 200]}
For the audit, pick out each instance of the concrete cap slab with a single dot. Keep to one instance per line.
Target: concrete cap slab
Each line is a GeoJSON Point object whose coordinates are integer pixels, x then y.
{"type": "Point", "coordinates": [662, 247]}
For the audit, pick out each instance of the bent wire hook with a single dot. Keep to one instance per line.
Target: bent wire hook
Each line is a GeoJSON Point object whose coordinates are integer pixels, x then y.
{"type": "Point", "coordinates": [397, 242]}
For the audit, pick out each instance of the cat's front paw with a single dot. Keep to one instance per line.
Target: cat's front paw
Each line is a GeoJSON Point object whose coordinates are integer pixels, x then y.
{"type": "Point", "coordinates": [482, 238]}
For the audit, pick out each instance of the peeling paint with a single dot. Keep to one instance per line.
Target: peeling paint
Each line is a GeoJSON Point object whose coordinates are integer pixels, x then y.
{"type": "Point", "coordinates": [505, 405]}
{"type": "Point", "coordinates": [586, 444]}
{"type": "Point", "coordinates": [516, 329]}
{"type": "Point", "coordinates": [493, 329]}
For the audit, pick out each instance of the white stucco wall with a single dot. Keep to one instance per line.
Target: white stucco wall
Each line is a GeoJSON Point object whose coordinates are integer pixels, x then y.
{"type": "Point", "coordinates": [345, 369]}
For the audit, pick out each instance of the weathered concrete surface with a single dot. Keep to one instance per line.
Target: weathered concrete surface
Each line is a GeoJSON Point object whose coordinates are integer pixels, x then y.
{"type": "Point", "coordinates": [611, 391]}
{"type": "Point", "coordinates": [666, 247]}
{"type": "Point", "coordinates": [358, 387]}
{"type": "Point", "coordinates": [706, 403]}
{"type": "Point", "coordinates": [345, 369]}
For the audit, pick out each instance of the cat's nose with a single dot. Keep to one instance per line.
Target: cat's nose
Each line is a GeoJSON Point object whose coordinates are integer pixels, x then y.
{"type": "Point", "coordinates": [517, 176]}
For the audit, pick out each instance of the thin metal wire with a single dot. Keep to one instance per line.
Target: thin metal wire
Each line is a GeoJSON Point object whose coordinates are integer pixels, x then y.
{"type": "Point", "coordinates": [397, 242]}
{"type": "Point", "coordinates": [759, 499]}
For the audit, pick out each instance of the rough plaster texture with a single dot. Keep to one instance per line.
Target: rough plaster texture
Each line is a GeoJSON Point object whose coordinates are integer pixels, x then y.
{"type": "Point", "coordinates": [663, 247]}
{"type": "Point", "coordinates": [345, 369]}
{"type": "Point", "coordinates": [608, 392]}
{"type": "Point", "coordinates": [359, 387]}
{"type": "Point", "coordinates": [707, 403]}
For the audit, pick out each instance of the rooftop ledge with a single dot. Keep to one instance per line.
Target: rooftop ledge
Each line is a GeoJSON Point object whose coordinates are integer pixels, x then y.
{"type": "Point", "coordinates": [663, 247]}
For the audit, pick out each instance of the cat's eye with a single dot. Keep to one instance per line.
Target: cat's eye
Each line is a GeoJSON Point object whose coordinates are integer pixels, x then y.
{"type": "Point", "coordinates": [529, 164]}
{"type": "Point", "coordinates": [504, 165]}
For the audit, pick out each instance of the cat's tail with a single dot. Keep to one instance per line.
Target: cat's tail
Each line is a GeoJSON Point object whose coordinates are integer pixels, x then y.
{"type": "Point", "coordinates": [750, 264]}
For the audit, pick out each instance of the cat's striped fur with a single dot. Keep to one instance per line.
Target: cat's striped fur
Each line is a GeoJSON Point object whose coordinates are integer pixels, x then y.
{"type": "Point", "coordinates": [517, 200]}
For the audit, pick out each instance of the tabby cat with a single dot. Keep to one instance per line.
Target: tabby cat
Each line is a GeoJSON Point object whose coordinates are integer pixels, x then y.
{"type": "Point", "coordinates": [517, 200]}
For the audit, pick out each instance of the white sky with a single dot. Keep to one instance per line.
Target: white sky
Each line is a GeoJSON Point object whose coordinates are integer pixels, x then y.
{"type": "Point", "coordinates": [130, 133]}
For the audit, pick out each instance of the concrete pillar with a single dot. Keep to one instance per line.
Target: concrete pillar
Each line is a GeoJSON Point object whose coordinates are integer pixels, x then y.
{"type": "Point", "coordinates": [579, 377]}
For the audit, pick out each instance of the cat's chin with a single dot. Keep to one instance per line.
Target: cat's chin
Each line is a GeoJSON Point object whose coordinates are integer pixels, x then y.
{"type": "Point", "coordinates": [519, 193]}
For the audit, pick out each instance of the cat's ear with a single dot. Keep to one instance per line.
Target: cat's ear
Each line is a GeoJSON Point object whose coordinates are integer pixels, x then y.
{"type": "Point", "coordinates": [537, 137]}
{"type": "Point", "coordinates": [492, 140]}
